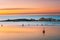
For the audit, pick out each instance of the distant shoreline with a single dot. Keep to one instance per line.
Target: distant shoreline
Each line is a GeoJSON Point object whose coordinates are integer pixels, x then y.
{"type": "Point", "coordinates": [41, 19]}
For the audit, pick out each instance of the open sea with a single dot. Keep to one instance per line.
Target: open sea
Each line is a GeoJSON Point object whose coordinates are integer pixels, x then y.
{"type": "Point", "coordinates": [30, 30]}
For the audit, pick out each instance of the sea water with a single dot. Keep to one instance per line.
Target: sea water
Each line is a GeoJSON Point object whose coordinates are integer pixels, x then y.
{"type": "Point", "coordinates": [52, 29]}
{"type": "Point", "coordinates": [37, 17]}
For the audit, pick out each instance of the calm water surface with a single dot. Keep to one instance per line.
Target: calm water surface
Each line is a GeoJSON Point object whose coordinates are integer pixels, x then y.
{"type": "Point", "coordinates": [52, 33]}
{"type": "Point", "coordinates": [30, 30]}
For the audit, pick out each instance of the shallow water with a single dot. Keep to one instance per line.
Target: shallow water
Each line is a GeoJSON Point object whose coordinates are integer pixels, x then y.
{"type": "Point", "coordinates": [31, 23]}
{"type": "Point", "coordinates": [29, 33]}
{"type": "Point", "coordinates": [30, 30]}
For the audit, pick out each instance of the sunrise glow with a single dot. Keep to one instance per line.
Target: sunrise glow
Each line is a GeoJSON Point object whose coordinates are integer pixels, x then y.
{"type": "Point", "coordinates": [18, 7]}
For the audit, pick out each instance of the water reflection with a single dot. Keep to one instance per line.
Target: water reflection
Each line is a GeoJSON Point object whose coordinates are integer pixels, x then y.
{"type": "Point", "coordinates": [30, 33]}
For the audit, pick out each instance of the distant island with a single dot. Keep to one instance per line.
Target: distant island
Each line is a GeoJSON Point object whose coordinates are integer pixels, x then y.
{"type": "Point", "coordinates": [41, 19]}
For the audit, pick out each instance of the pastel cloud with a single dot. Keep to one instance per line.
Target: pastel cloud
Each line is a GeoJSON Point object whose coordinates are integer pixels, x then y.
{"type": "Point", "coordinates": [29, 6]}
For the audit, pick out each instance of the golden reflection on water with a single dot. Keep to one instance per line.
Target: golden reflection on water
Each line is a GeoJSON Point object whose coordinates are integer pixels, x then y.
{"type": "Point", "coordinates": [29, 33]}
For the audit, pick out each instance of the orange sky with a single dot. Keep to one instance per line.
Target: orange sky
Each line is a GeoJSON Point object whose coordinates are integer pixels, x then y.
{"type": "Point", "coordinates": [17, 11]}
{"type": "Point", "coordinates": [18, 7]}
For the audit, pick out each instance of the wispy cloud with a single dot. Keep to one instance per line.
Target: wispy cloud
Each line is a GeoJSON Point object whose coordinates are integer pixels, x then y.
{"type": "Point", "coordinates": [29, 7]}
